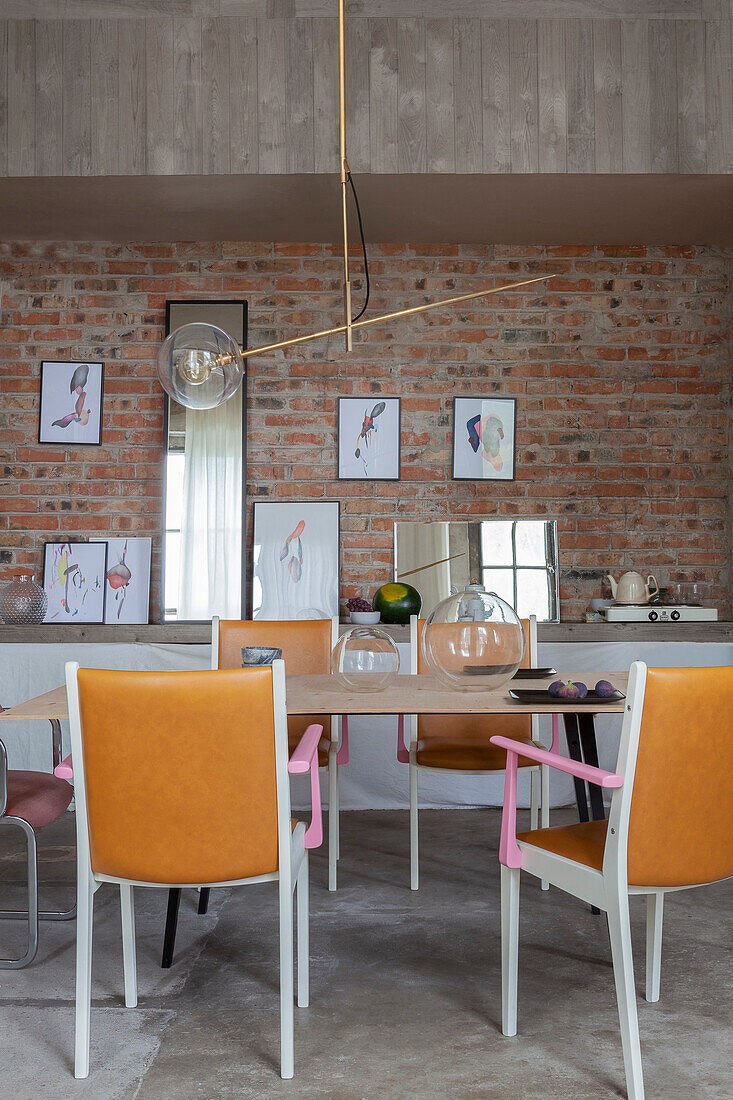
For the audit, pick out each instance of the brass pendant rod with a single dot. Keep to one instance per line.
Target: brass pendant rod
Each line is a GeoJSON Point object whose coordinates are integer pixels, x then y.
{"type": "Point", "coordinates": [247, 352]}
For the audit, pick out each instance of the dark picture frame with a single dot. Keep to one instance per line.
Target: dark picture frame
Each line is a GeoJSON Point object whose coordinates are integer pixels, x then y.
{"type": "Point", "coordinates": [258, 508]}
{"type": "Point", "coordinates": [54, 432]}
{"type": "Point", "coordinates": [474, 458]}
{"type": "Point", "coordinates": [357, 405]}
{"type": "Point", "coordinates": [180, 311]}
{"type": "Point", "coordinates": [78, 615]}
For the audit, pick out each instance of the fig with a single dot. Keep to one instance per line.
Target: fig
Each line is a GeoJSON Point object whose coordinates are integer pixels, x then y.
{"type": "Point", "coordinates": [604, 688]}
{"type": "Point", "coordinates": [573, 691]}
{"type": "Point", "coordinates": [555, 687]}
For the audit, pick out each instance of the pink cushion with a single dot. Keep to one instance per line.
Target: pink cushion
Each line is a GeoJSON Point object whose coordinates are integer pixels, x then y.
{"type": "Point", "coordinates": [37, 797]}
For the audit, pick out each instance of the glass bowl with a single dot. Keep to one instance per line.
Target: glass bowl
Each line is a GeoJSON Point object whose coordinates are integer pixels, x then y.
{"type": "Point", "coordinates": [473, 640]}
{"type": "Point", "coordinates": [365, 659]}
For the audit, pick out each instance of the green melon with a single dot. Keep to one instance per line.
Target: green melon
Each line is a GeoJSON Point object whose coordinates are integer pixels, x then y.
{"type": "Point", "coordinates": [396, 602]}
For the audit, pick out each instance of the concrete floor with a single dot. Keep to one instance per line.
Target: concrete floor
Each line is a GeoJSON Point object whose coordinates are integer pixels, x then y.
{"type": "Point", "coordinates": [405, 987]}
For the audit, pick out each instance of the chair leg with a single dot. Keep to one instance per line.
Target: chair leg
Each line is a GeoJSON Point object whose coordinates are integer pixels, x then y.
{"type": "Point", "coordinates": [301, 894]}
{"type": "Point", "coordinates": [414, 836]}
{"type": "Point", "coordinates": [333, 818]}
{"type": "Point", "coordinates": [84, 926]}
{"type": "Point", "coordinates": [171, 924]}
{"type": "Point", "coordinates": [534, 803]}
{"type": "Point", "coordinates": [32, 914]}
{"type": "Point", "coordinates": [545, 807]}
{"type": "Point", "coordinates": [287, 1053]}
{"type": "Point", "coordinates": [509, 948]}
{"type": "Point", "coordinates": [203, 906]}
{"type": "Point", "coordinates": [129, 961]}
{"type": "Point", "coordinates": [623, 972]}
{"type": "Point", "coordinates": [654, 918]}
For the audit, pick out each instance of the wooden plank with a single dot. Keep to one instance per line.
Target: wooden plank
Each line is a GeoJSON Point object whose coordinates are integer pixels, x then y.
{"type": "Point", "coordinates": [495, 82]}
{"type": "Point", "coordinates": [3, 97]}
{"type": "Point", "coordinates": [271, 94]}
{"type": "Point", "coordinates": [411, 108]}
{"type": "Point", "coordinates": [131, 106]}
{"type": "Point", "coordinates": [552, 114]}
{"type": "Point", "coordinates": [358, 49]}
{"type": "Point", "coordinates": [188, 149]}
{"type": "Point", "coordinates": [691, 126]}
{"type": "Point", "coordinates": [467, 95]}
{"type": "Point", "coordinates": [663, 95]}
{"type": "Point", "coordinates": [580, 95]}
{"type": "Point", "coordinates": [159, 85]}
{"type": "Point", "coordinates": [523, 95]}
{"type": "Point", "coordinates": [299, 95]}
{"type": "Point", "coordinates": [243, 95]}
{"type": "Point", "coordinates": [77, 98]}
{"type": "Point", "coordinates": [635, 101]}
{"type": "Point", "coordinates": [216, 80]}
{"type": "Point", "coordinates": [719, 95]}
{"type": "Point", "coordinates": [49, 126]}
{"type": "Point", "coordinates": [325, 95]}
{"type": "Point", "coordinates": [383, 97]}
{"type": "Point", "coordinates": [21, 97]}
{"type": "Point", "coordinates": [607, 95]}
{"type": "Point", "coordinates": [105, 135]}
{"type": "Point", "coordinates": [439, 96]}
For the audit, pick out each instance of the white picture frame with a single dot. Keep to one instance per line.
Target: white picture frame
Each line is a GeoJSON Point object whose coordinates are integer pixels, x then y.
{"type": "Point", "coordinates": [296, 560]}
{"type": "Point", "coordinates": [71, 403]}
{"type": "Point", "coordinates": [484, 438]}
{"type": "Point", "coordinates": [73, 579]}
{"type": "Point", "coordinates": [127, 580]}
{"type": "Point", "coordinates": [369, 435]}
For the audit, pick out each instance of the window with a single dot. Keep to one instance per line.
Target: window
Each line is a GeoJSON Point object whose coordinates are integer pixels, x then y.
{"type": "Point", "coordinates": [175, 462]}
{"type": "Point", "coordinates": [519, 563]}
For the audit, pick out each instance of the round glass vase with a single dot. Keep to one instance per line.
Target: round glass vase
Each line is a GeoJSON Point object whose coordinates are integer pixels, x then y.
{"type": "Point", "coordinates": [473, 640]}
{"type": "Point", "coordinates": [365, 659]}
{"type": "Point", "coordinates": [23, 602]}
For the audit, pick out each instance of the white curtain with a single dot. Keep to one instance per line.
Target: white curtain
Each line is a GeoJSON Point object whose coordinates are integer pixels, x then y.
{"type": "Point", "coordinates": [211, 524]}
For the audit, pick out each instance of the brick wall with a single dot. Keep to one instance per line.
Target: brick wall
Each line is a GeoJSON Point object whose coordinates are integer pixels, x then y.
{"type": "Point", "coordinates": [620, 367]}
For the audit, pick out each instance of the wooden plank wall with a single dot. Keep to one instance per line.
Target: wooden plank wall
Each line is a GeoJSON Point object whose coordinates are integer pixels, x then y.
{"type": "Point", "coordinates": [217, 95]}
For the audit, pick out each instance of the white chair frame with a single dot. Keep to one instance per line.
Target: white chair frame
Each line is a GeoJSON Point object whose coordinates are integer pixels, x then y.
{"type": "Point", "coordinates": [334, 840]}
{"type": "Point", "coordinates": [540, 776]}
{"type": "Point", "coordinates": [291, 877]}
{"type": "Point", "coordinates": [608, 889]}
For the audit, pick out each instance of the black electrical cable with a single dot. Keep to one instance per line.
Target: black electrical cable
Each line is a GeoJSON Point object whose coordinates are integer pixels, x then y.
{"type": "Point", "coordinates": [362, 311]}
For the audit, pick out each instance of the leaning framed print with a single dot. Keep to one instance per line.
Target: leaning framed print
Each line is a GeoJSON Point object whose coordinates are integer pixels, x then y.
{"type": "Point", "coordinates": [127, 580]}
{"type": "Point", "coordinates": [368, 439]}
{"type": "Point", "coordinates": [71, 403]}
{"type": "Point", "coordinates": [484, 438]}
{"type": "Point", "coordinates": [73, 579]}
{"type": "Point", "coordinates": [296, 560]}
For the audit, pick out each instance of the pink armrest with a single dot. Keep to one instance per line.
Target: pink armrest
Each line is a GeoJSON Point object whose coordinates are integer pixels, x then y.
{"type": "Point", "coordinates": [64, 770]}
{"type": "Point", "coordinates": [509, 851]}
{"type": "Point", "coordinates": [403, 753]}
{"type": "Point", "coordinates": [305, 759]}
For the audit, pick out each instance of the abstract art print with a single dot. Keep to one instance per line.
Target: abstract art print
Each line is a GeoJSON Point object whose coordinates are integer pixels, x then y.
{"type": "Point", "coordinates": [71, 403]}
{"type": "Point", "coordinates": [127, 580]}
{"type": "Point", "coordinates": [296, 560]}
{"type": "Point", "coordinates": [484, 438]}
{"type": "Point", "coordinates": [369, 439]}
{"type": "Point", "coordinates": [73, 579]}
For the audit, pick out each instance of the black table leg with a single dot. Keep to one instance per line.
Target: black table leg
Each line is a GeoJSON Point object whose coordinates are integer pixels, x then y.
{"type": "Point", "coordinates": [171, 923]}
{"type": "Point", "coordinates": [588, 743]}
{"type": "Point", "coordinates": [573, 738]}
{"type": "Point", "coordinates": [204, 900]}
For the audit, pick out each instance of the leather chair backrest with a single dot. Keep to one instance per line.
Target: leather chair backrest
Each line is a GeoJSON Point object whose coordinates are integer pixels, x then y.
{"type": "Point", "coordinates": [306, 643]}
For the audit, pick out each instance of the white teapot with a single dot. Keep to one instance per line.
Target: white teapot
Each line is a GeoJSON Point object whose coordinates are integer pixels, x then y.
{"type": "Point", "coordinates": [632, 589]}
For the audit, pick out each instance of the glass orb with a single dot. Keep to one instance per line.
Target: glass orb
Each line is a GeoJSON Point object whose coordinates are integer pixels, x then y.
{"type": "Point", "coordinates": [200, 366]}
{"type": "Point", "coordinates": [23, 601]}
{"type": "Point", "coordinates": [365, 659]}
{"type": "Point", "coordinates": [473, 640]}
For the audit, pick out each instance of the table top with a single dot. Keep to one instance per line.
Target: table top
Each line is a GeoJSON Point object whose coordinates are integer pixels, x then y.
{"type": "Point", "coordinates": [408, 695]}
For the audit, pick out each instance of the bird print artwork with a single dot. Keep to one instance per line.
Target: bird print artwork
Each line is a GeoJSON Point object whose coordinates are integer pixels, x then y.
{"type": "Point", "coordinates": [295, 564]}
{"type": "Point", "coordinates": [80, 415]}
{"type": "Point", "coordinates": [118, 578]}
{"type": "Point", "coordinates": [71, 402]}
{"type": "Point", "coordinates": [367, 428]}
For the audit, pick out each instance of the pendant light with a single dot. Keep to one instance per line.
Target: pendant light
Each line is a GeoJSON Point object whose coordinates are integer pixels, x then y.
{"type": "Point", "coordinates": [200, 366]}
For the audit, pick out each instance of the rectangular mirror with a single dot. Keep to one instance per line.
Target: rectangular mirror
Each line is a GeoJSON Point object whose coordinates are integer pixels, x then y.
{"type": "Point", "coordinates": [205, 485]}
{"type": "Point", "coordinates": [517, 559]}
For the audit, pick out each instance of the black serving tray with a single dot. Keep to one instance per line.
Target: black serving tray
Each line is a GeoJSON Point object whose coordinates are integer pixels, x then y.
{"type": "Point", "coordinates": [533, 673]}
{"type": "Point", "coordinates": [543, 697]}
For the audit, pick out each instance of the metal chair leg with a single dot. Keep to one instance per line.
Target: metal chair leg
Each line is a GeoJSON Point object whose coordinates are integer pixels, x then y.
{"type": "Point", "coordinates": [32, 914]}
{"type": "Point", "coordinates": [171, 924]}
{"type": "Point", "coordinates": [204, 900]}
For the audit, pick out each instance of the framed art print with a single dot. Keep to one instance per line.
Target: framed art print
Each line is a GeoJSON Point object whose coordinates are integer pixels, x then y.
{"type": "Point", "coordinates": [71, 403]}
{"type": "Point", "coordinates": [484, 438]}
{"type": "Point", "coordinates": [368, 439]}
{"type": "Point", "coordinates": [73, 579]}
{"type": "Point", "coordinates": [296, 560]}
{"type": "Point", "coordinates": [127, 580]}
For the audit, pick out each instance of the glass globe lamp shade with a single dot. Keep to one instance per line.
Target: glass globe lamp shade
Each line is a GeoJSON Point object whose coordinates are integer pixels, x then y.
{"type": "Point", "coordinates": [200, 366]}
{"type": "Point", "coordinates": [365, 659]}
{"type": "Point", "coordinates": [473, 640]}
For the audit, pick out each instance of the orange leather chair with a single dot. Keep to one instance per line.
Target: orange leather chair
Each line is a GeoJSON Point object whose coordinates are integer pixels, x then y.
{"type": "Point", "coordinates": [458, 744]}
{"type": "Point", "coordinates": [306, 646]}
{"type": "Point", "coordinates": [198, 794]}
{"type": "Point", "coordinates": [670, 827]}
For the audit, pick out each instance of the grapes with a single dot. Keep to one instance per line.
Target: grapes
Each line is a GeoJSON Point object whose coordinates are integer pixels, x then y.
{"type": "Point", "coordinates": [356, 603]}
